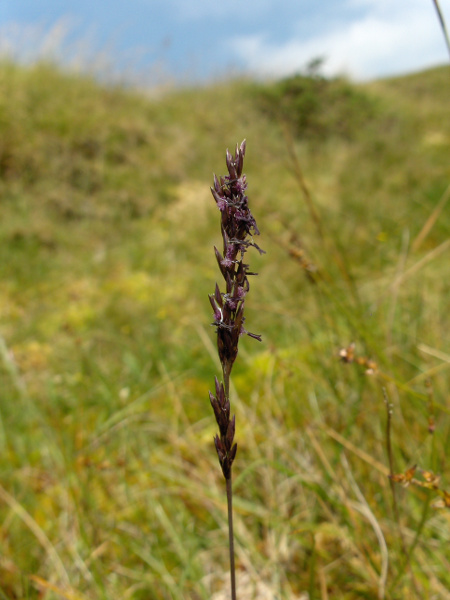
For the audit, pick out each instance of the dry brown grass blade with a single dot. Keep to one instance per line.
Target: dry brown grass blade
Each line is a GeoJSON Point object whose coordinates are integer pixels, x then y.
{"type": "Point", "coordinates": [352, 507]}
{"type": "Point", "coordinates": [302, 183]}
{"type": "Point", "coordinates": [357, 451]}
{"type": "Point", "coordinates": [323, 584]}
{"type": "Point", "coordinates": [37, 531]}
{"type": "Point", "coordinates": [328, 243]}
{"type": "Point", "coordinates": [429, 223]}
{"type": "Point", "coordinates": [421, 263]}
{"type": "Point", "coordinates": [365, 510]}
{"type": "Point", "coordinates": [434, 352]}
{"type": "Point", "coordinates": [433, 370]}
{"type": "Point", "coordinates": [42, 584]}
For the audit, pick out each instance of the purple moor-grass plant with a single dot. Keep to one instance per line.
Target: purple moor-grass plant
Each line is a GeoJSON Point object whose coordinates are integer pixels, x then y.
{"type": "Point", "coordinates": [238, 227]}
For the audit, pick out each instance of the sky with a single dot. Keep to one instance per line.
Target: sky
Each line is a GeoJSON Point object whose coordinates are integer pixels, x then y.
{"type": "Point", "coordinates": [196, 40]}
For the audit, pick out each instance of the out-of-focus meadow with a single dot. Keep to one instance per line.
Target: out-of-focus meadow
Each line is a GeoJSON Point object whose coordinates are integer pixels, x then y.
{"type": "Point", "coordinates": [110, 485]}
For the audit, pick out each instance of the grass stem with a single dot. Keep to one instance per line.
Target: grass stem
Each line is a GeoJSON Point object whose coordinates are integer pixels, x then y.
{"type": "Point", "coordinates": [231, 536]}
{"type": "Point", "coordinates": [226, 384]}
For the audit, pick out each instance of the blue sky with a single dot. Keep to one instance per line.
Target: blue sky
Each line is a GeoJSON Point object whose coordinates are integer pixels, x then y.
{"type": "Point", "coordinates": [187, 40]}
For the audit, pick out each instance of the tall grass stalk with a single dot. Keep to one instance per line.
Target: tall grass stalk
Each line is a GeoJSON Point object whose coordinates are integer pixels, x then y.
{"type": "Point", "coordinates": [442, 24]}
{"type": "Point", "coordinates": [237, 227]}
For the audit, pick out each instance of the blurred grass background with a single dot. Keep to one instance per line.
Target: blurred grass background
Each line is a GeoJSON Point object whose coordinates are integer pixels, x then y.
{"type": "Point", "coordinates": [110, 486]}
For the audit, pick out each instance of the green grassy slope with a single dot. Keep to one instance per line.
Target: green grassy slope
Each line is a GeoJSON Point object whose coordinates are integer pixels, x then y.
{"type": "Point", "coordinates": [110, 486]}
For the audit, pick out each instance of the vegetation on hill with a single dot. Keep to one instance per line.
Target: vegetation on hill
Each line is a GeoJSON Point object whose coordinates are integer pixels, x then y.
{"type": "Point", "coordinates": [109, 486]}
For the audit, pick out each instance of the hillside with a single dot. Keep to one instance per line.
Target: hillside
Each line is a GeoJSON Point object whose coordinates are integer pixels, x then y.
{"type": "Point", "coordinates": [110, 487]}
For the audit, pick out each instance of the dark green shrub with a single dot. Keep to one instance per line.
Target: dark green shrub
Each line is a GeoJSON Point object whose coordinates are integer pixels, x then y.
{"type": "Point", "coordinates": [314, 106]}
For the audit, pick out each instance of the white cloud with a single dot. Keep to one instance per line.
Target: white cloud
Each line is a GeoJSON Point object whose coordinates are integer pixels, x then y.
{"type": "Point", "coordinates": [389, 38]}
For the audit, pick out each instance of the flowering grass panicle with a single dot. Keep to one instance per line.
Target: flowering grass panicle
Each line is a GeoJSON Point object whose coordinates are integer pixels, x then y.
{"type": "Point", "coordinates": [237, 226]}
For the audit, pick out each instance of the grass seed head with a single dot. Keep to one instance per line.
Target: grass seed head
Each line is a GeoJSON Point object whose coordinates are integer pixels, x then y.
{"type": "Point", "coordinates": [237, 227]}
